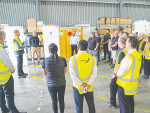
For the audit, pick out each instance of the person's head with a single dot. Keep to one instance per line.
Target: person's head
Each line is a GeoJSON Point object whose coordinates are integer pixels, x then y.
{"type": "Point", "coordinates": [116, 33]}
{"type": "Point", "coordinates": [83, 45]}
{"type": "Point", "coordinates": [17, 32]}
{"type": "Point", "coordinates": [96, 30]}
{"type": "Point", "coordinates": [132, 43]}
{"type": "Point", "coordinates": [125, 34]}
{"type": "Point", "coordinates": [112, 35]}
{"type": "Point", "coordinates": [141, 35]}
{"type": "Point", "coordinates": [96, 34]}
{"type": "Point", "coordinates": [122, 42]}
{"type": "Point", "coordinates": [120, 33]}
{"type": "Point", "coordinates": [107, 31]}
{"type": "Point", "coordinates": [2, 37]}
{"type": "Point", "coordinates": [53, 51]}
{"type": "Point", "coordinates": [148, 39]}
{"type": "Point", "coordinates": [34, 33]}
{"type": "Point", "coordinates": [74, 33]}
{"type": "Point", "coordinates": [92, 35]}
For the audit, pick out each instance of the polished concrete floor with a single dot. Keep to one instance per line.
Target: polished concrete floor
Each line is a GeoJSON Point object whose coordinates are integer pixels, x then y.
{"type": "Point", "coordinates": [32, 96]}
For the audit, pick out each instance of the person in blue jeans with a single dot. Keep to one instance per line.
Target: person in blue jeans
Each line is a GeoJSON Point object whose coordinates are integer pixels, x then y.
{"type": "Point", "coordinates": [54, 68]}
{"type": "Point", "coordinates": [19, 51]}
{"type": "Point", "coordinates": [6, 80]}
{"type": "Point", "coordinates": [99, 40]}
{"type": "Point", "coordinates": [74, 40]}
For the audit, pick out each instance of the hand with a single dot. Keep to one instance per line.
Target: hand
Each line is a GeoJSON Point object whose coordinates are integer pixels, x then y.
{"type": "Point", "coordinates": [140, 51]}
{"type": "Point", "coordinates": [86, 88]}
{"type": "Point", "coordinates": [95, 49]}
{"type": "Point", "coordinates": [84, 85]}
{"type": "Point", "coordinates": [113, 76]}
{"type": "Point", "coordinates": [14, 71]}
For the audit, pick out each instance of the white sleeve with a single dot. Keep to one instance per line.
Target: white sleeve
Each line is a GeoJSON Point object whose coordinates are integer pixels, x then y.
{"type": "Point", "coordinates": [124, 67]}
{"type": "Point", "coordinates": [93, 75]}
{"type": "Point", "coordinates": [73, 74]}
{"type": "Point", "coordinates": [70, 41]}
{"type": "Point", "coordinates": [6, 60]}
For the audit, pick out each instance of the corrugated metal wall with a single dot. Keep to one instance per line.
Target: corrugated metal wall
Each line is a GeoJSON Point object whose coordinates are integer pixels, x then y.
{"type": "Point", "coordinates": [15, 12]}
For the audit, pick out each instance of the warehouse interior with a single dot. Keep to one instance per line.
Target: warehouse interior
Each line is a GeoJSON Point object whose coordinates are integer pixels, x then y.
{"type": "Point", "coordinates": [54, 22]}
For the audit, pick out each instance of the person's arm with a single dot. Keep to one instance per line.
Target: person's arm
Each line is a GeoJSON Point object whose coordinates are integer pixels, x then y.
{"type": "Point", "coordinates": [107, 41]}
{"type": "Point", "coordinates": [65, 63]}
{"type": "Point", "coordinates": [142, 47]}
{"type": "Point", "coordinates": [116, 43]}
{"type": "Point", "coordinates": [96, 46]}
{"type": "Point", "coordinates": [93, 75]}
{"type": "Point", "coordinates": [43, 66]}
{"type": "Point", "coordinates": [6, 60]}
{"type": "Point", "coordinates": [70, 41]}
{"type": "Point", "coordinates": [73, 74]}
{"type": "Point", "coordinates": [124, 67]}
{"type": "Point", "coordinates": [18, 45]}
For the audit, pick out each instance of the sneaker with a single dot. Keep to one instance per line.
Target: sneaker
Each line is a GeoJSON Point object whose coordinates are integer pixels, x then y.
{"type": "Point", "coordinates": [39, 63]}
{"type": "Point", "coordinates": [22, 76]}
{"type": "Point", "coordinates": [104, 59]}
{"type": "Point", "coordinates": [109, 105]}
{"type": "Point", "coordinates": [33, 64]}
{"type": "Point", "coordinates": [145, 77]}
{"type": "Point", "coordinates": [112, 66]}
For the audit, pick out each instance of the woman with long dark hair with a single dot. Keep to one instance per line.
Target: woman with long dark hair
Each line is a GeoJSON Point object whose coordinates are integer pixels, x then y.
{"type": "Point", "coordinates": [54, 68]}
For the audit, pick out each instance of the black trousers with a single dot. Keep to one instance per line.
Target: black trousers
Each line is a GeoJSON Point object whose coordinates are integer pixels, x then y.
{"type": "Point", "coordinates": [142, 64]}
{"type": "Point", "coordinates": [105, 47]}
{"type": "Point", "coordinates": [126, 102]}
{"type": "Point", "coordinates": [57, 93]}
{"type": "Point", "coordinates": [113, 91]}
{"type": "Point", "coordinates": [146, 67]}
{"type": "Point", "coordinates": [111, 60]}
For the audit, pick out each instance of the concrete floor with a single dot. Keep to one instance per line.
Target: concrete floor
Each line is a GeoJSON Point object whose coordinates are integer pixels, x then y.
{"type": "Point", "coordinates": [32, 96]}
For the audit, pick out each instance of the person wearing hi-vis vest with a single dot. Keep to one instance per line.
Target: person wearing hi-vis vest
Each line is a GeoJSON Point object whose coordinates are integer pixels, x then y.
{"type": "Point", "coordinates": [147, 59]}
{"type": "Point", "coordinates": [140, 47]}
{"type": "Point", "coordinates": [6, 80]}
{"type": "Point", "coordinates": [19, 51]}
{"type": "Point", "coordinates": [127, 76]}
{"type": "Point", "coordinates": [83, 71]}
{"type": "Point", "coordinates": [113, 86]}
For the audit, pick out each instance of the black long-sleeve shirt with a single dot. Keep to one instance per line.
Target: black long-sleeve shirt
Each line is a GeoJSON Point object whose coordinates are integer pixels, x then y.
{"type": "Point", "coordinates": [34, 41]}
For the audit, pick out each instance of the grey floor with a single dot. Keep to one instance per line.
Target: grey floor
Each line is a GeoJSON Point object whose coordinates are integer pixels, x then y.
{"type": "Point", "coordinates": [31, 94]}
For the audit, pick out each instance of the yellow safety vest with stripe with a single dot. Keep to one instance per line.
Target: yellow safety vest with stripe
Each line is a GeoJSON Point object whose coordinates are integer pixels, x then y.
{"type": "Point", "coordinates": [83, 64]}
{"type": "Point", "coordinates": [147, 52]}
{"type": "Point", "coordinates": [5, 73]}
{"type": "Point", "coordinates": [129, 81]}
{"type": "Point", "coordinates": [143, 40]}
{"type": "Point", "coordinates": [125, 52]}
{"type": "Point", "coordinates": [18, 40]}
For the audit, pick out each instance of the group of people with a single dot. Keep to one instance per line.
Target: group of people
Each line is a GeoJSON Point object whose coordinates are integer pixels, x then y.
{"type": "Point", "coordinates": [125, 58]}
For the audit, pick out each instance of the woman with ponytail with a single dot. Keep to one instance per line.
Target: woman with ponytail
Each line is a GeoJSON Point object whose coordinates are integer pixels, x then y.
{"type": "Point", "coordinates": [54, 68]}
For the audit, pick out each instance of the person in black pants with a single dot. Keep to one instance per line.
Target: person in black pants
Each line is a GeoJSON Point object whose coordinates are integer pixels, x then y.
{"type": "Point", "coordinates": [105, 41]}
{"type": "Point", "coordinates": [54, 68]}
{"type": "Point", "coordinates": [113, 85]}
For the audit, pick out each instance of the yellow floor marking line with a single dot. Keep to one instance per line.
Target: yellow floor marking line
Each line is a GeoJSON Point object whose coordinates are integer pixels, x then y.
{"type": "Point", "coordinates": [103, 65]}
{"type": "Point", "coordinates": [104, 76]}
{"type": "Point", "coordinates": [94, 96]}
{"type": "Point", "coordinates": [31, 66]}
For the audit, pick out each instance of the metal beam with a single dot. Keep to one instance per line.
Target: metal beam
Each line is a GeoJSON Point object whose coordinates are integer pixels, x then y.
{"type": "Point", "coordinates": [83, 1]}
{"type": "Point", "coordinates": [37, 11]}
{"type": "Point", "coordinates": [121, 8]}
{"type": "Point", "coordinates": [133, 3]}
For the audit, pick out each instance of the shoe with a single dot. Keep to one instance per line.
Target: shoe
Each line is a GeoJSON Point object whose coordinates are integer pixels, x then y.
{"type": "Point", "coordinates": [22, 112]}
{"type": "Point", "coordinates": [109, 105]}
{"type": "Point", "coordinates": [6, 111]}
{"type": "Point", "coordinates": [112, 66]}
{"type": "Point", "coordinates": [145, 77]}
{"type": "Point", "coordinates": [25, 74]}
{"type": "Point", "coordinates": [104, 59]}
{"type": "Point", "coordinates": [107, 61]}
{"type": "Point", "coordinates": [33, 64]}
{"type": "Point", "coordinates": [22, 76]}
{"type": "Point", "coordinates": [39, 63]}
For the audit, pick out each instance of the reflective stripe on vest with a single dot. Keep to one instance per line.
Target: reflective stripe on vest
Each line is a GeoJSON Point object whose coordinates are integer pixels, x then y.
{"type": "Point", "coordinates": [4, 80]}
{"type": "Point", "coordinates": [148, 52]}
{"type": "Point", "coordinates": [143, 40]}
{"type": "Point", "coordinates": [77, 71]}
{"type": "Point", "coordinates": [18, 40]}
{"type": "Point", "coordinates": [5, 72]}
{"type": "Point", "coordinates": [132, 72]}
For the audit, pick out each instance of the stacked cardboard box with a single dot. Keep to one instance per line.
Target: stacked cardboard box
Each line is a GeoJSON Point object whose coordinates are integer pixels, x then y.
{"type": "Point", "coordinates": [117, 20]}
{"type": "Point", "coordinates": [128, 30]}
{"type": "Point", "coordinates": [113, 21]}
{"type": "Point", "coordinates": [101, 21]}
{"type": "Point", "coordinates": [108, 21]}
{"type": "Point", "coordinates": [2, 26]}
{"type": "Point", "coordinates": [31, 24]}
{"type": "Point", "coordinates": [102, 31]}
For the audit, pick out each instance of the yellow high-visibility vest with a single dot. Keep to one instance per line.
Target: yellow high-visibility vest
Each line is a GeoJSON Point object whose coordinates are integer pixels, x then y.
{"type": "Point", "coordinates": [83, 64]}
{"type": "Point", "coordinates": [125, 52]}
{"type": "Point", "coordinates": [129, 81]}
{"type": "Point", "coordinates": [147, 52]}
{"type": "Point", "coordinates": [143, 40]}
{"type": "Point", "coordinates": [18, 40]}
{"type": "Point", "coordinates": [5, 73]}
